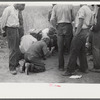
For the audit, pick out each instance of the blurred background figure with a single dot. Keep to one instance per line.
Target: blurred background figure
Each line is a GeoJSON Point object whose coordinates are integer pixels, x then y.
{"type": "Point", "coordinates": [50, 12]}
{"type": "Point", "coordinates": [96, 41]}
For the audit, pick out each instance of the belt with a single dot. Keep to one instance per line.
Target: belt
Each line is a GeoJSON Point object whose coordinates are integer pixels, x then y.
{"type": "Point", "coordinates": [12, 27]}
{"type": "Point", "coordinates": [63, 23]}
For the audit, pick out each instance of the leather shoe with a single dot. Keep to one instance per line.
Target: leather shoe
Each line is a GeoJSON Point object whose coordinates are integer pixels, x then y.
{"type": "Point", "coordinates": [67, 74]}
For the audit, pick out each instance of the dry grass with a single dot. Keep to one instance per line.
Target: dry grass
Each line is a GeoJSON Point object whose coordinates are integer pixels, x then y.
{"type": "Point", "coordinates": [36, 17]}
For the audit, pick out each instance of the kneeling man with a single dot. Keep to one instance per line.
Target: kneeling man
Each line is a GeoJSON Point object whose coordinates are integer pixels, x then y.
{"type": "Point", "coordinates": [35, 53]}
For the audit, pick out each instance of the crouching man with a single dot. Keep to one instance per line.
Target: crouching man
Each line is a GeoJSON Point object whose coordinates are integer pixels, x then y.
{"type": "Point", "coordinates": [35, 53]}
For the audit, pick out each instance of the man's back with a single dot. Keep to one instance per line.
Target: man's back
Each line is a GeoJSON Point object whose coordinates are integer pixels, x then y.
{"type": "Point", "coordinates": [38, 49]}
{"type": "Point", "coordinates": [26, 42]}
{"type": "Point", "coordinates": [63, 13]}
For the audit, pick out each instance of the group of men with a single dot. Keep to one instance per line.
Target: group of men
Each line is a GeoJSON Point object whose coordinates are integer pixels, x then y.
{"type": "Point", "coordinates": [61, 18]}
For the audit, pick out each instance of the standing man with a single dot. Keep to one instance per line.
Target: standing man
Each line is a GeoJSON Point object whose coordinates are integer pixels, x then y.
{"type": "Point", "coordinates": [83, 23]}
{"type": "Point", "coordinates": [96, 41]}
{"type": "Point", "coordinates": [10, 25]}
{"type": "Point", "coordinates": [61, 19]}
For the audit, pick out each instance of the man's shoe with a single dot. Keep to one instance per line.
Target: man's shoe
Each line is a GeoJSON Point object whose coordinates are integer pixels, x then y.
{"type": "Point", "coordinates": [67, 74]}
{"type": "Point", "coordinates": [22, 66]}
{"type": "Point", "coordinates": [13, 72]}
{"type": "Point", "coordinates": [27, 66]}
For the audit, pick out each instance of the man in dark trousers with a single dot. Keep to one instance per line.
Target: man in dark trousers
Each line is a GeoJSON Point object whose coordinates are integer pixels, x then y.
{"type": "Point", "coordinates": [96, 41]}
{"type": "Point", "coordinates": [61, 19]}
{"type": "Point", "coordinates": [10, 25]}
{"type": "Point", "coordinates": [83, 23]}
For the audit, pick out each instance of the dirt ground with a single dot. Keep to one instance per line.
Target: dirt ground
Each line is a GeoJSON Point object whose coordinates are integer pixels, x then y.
{"type": "Point", "coordinates": [52, 75]}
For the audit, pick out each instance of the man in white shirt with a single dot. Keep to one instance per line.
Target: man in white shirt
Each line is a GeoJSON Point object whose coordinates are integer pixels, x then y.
{"type": "Point", "coordinates": [10, 25]}
{"type": "Point", "coordinates": [26, 42]}
{"type": "Point", "coordinates": [83, 23]}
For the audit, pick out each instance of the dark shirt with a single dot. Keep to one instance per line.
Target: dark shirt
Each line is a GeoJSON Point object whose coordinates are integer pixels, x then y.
{"type": "Point", "coordinates": [38, 49]}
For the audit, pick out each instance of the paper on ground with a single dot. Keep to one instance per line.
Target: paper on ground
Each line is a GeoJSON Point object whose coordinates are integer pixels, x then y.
{"type": "Point", "coordinates": [76, 76]}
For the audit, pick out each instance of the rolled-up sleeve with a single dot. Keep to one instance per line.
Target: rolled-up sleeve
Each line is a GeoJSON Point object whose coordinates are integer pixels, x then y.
{"type": "Point", "coordinates": [4, 17]}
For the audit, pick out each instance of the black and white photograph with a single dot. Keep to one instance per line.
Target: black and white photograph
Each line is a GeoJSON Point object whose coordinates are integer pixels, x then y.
{"type": "Point", "coordinates": [49, 49]}
{"type": "Point", "coordinates": [49, 42]}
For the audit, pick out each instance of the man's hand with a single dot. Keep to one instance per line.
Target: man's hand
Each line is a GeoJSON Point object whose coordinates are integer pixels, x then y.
{"type": "Point", "coordinates": [91, 28]}
{"type": "Point", "coordinates": [3, 33]}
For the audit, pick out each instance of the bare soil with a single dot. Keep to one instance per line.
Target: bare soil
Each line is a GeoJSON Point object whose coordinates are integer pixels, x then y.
{"type": "Point", "coordinates": [51, 75]}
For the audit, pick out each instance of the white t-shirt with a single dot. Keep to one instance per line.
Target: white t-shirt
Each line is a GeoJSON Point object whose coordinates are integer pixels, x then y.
{"type": "Point", "coordinates": [26, 42]}
{"type": "Point", "coordinates": [86, 14]}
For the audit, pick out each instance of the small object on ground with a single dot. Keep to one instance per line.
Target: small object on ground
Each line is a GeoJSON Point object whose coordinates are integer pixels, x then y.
{"type": "Point", "coordinates": [13, 72]}
{"type": "Point", "coordinates": [76, 76]}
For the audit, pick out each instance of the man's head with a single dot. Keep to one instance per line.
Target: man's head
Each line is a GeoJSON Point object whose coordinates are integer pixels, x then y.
{"type": "Point", "coordinates": [46, 40]}
{"type": "Point", "coordinates": [52, 31]}
{"type": "Point", "coordinates": [19, 6]}
{"type": "Point", "coordinates": [53, 5]}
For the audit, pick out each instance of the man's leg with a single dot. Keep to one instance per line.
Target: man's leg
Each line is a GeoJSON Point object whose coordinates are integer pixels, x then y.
{"type": "Point", "coordinates": [13, 44]}
{"type": "Point", "coordinates": [39, 66]}
{"type": "Point", "coordinates": [83, 58]}
{"type": "Point", "coordinates": [61, 51]}
{"type": "Point", "coordinates": [75, 49]}
{"type": "Point", "coordinates": [36, 65]}
{"type": "Point", "coordinates": [68, 38]}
